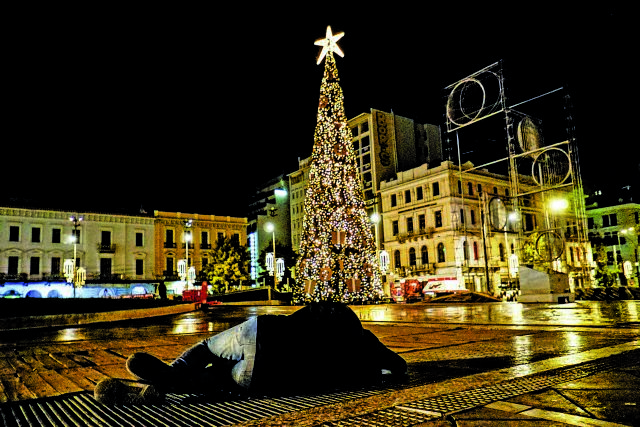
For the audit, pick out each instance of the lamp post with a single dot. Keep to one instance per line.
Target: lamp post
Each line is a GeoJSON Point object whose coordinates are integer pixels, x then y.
{"type": "Point", "coordinates": [270, 228]}
{"type": "Point", "coordinates": [76, 223]}
{"type": "Point", "coordinates": [187, 237]}
{"type": "Point", "coordinates": [619, 248]}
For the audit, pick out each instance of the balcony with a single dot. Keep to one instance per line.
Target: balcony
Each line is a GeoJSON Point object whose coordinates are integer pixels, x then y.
{"type": "Point", "coordinates": [205, 245]}
{"type": "Point", "coordinates": [170, 245]}
{"type": "Point", "coordinates": [106, 248]}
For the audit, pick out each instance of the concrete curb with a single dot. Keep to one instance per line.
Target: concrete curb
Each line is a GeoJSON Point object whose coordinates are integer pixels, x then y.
{"type": "Point", "coordinates": [57, 320]}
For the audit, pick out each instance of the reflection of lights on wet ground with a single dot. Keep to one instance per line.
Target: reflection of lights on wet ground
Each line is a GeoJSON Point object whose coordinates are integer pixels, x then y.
{"type": "Point", "coordinates": [70, 335]}
{"type": "Point", "coordinates": [522, 347]}
{"type": "Point", "coordinates": [574, 341]}
{"type": "Point", "coordinates": [186, 325]}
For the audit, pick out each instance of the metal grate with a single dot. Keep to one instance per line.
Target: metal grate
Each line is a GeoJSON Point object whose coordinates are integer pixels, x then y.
{"type": "Point", "coordinates": [81, 409]}
{"type": "Point", "coordinates": [179, 410]}
{"type": "Point", "coordinates": [436, 407]}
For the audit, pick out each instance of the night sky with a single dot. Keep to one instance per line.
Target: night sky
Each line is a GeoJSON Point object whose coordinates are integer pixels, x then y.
{"type": "Point", "coordinates": [188, 109]}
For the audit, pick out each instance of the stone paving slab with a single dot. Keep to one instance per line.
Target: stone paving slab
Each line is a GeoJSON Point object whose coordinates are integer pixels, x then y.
{"type": "Point", "coordinates": [441, 358]}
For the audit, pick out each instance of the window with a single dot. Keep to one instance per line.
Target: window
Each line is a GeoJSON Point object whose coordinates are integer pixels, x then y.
{"type": "Point", "coordinates": [396, 259]}
{"type": "Point", "coordinates": [465, 250]}
{"type": "Point", "coordinates": [609, 220]}
{"type": "Point", "coordinates": [501, 251]}
{"type": "Point", "coordinates": [470, 188]}
{"type": "Point", "coordinates": [204, 240]}
{"type": "Point", "coordinates": [14, 233]}
{"type": "Point", "coordinates": [364, 127]}
{"type": "Point", "coordinates": [461, 216]}
{"type": "Point", "coordinates": [105, 267]}
{"type": "Point", "coordinates": [168, 239]}
{"type": "Point", "coordinates": [495, 190]}
{"type": "Point", "coordinates": [394, 226]}
{"type": "Point", "coordinates": [407, 196]}
{"type": "Point", "coordinates": [366, 161]}
{"type": "Point", "coordinates": [412, 256]}
{"type": "Point", "coordinates": [34, 265]}
{"type": "Point", "coordinates": [422, 222]}
{"type": "Point", "coordinates": [435, 189]}
{"type": "Point", "coordinates": [356, 146]}
{"type": "Point", "coordinates": [105, 238]}
{"type": "Point", "coordinates": [475, 251]}
{"type": "Point", "coordinates": [590, 224]}
{"type": "Point", "coordinates": [409, 225]}
{"type": "Point", "coordinates": [35, 235]}
{"type": "Point", "coordinates": [438, 218]}
{"type": "Point", "coordinates": [139, 239]}
{"type": "Point", "coordinates": [55, 266]}
{"type": "Point", "coordinates": [13, 266]}
{"type": "Point", "coordinates": [479, 188]}
{"type": "Point", "coordinates": [419, 194]}
{"type": "Point", "coordinates": [56, 234]}
{"type": "Point", "coordinates": [169, 270]}
{"type": "Point", "coordinates": [394, 200]}
{"type": "Point", "coordinates": [75, 236]}
{"type": "Point", "coordinates": [473, 216]}
{"type": "Point", "coordinates": [425, 255]}
{"type": "Point", "coordinates": [459, 187]}
{"type": "Point", "coordinates": [506, 192]}
{"type": "Point", "coordinates": [139, 267]}
{"type": "Point", "coordinates": [441, 254]}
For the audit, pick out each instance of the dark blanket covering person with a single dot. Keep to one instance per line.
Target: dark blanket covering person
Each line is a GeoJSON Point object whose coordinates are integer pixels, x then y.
{"type": "Point", "coordinates": [319, 347]}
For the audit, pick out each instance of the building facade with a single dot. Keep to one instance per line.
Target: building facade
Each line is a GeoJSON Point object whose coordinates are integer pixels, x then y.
{"type": "Point", "coordinates": [34, 245]}
{"type": "Point", "coordinates": [616, 227]}
{"type": "Point", "coordinates": [443, 225]}
{"type": "Point", "coordinates": [191, 237]}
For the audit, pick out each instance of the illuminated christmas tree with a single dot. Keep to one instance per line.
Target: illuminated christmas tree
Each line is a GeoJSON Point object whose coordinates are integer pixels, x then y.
{"type": "Point", "coordinates": [337, 259]}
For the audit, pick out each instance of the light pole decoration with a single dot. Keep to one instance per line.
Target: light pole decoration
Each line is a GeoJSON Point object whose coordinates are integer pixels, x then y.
{"type": "Point", "coordinates": [74, 269]}
{"type": "Point", "coordinates": [274, 265]}
{"type": "Point", "coordinates": [615, 256]}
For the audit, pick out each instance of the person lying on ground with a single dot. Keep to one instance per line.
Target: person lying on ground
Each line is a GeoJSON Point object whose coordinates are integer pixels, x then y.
{"type": "Point", "coordinates": [319, 347]}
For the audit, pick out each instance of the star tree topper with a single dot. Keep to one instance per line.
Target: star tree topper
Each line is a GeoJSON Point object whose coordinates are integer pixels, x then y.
{"type": "Point", "coordinates": [329, 45]}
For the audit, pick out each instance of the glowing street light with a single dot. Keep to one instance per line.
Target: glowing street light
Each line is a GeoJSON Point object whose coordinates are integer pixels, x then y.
{"type": "Point", "coordinates": [270, 228]}
{"type": "Point", "coordinates": [619, 248]}
{"type": "Point", "coordinates": [188, 274]}
{"type": "Point", "coordinates": [74, 278]}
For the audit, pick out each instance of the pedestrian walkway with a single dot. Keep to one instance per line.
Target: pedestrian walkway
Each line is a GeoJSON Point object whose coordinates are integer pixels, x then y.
{"type": "Point", "coordinates": [458, 375]}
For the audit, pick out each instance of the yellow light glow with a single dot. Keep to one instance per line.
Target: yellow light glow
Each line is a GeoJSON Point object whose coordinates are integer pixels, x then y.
{"type": "Point", "coordinates": [329, 44]}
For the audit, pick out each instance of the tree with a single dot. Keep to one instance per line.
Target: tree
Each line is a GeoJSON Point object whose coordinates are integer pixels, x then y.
{"type": "Point", "coordinates": [602, 274]}
{"type": "Point", "coordinates": [229, 265]}
{"type": "Point", "coordinates": [337, 258]}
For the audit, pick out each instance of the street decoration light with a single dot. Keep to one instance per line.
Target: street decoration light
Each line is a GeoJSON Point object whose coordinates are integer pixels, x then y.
{"type": "Point", "coordinates": [615, 254]}
{"type": "Point", "coordinates": [74, 275]}
{"type": "Point", "coordinates": [187, 273]}
{"type": "Point", "coordinates": [274, 265]}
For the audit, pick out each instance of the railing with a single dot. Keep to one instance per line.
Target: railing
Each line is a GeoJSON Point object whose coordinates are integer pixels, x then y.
{"type": "Point", "coordinates": [205, 245]}
{"type": "Point", "coordinates": [170, 245]}
{"type": "Point", "coordinates": [106, 248]}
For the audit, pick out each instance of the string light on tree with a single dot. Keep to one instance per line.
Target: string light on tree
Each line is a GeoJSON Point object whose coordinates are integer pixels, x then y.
{"type": "Point", "coordinates": [337, 251]}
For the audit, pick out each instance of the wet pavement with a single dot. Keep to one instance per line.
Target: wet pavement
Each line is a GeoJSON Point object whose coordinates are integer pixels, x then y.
{"type": "Point", "coordinates": [449, 348]}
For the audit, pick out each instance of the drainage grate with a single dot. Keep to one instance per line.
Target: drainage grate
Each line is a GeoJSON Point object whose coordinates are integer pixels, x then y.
{"type": "Point", "coordinates": [179, 410]}
{"type": "Point", "coordinates": [439, 406]}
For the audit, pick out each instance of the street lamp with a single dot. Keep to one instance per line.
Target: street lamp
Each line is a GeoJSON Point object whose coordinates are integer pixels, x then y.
{"type": "Point", "coordinates": [76, 223]}
{"type": "Point", "coordinates": [619, 248]}
{"type": "Point", "coordinates": [187, 237]}
{"type": "Point", "coordinates": [270, 228]}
